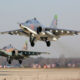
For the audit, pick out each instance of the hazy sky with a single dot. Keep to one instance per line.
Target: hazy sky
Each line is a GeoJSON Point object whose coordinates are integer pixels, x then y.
{"type": "Point", "coordinates": [14, 11]}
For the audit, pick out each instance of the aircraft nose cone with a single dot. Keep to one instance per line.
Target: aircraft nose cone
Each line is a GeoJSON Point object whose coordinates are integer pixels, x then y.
{"type": "Point", "coordinates": [21, 24]}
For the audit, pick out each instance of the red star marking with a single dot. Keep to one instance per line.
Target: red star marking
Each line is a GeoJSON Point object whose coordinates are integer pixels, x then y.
{"type": "Point", "coordinates": [32, 26]}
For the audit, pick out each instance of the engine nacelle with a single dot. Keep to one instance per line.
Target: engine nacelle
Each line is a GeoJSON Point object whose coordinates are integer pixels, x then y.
{"type": "Point", "coordinates": [15, 53]}
{"type": "Point", "coordinates": [39, 29]}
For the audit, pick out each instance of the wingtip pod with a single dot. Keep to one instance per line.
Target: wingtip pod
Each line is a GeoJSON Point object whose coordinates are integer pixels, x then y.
{"type": "Point", "coordinates": [1, 32]}
{"type": "Point", "coordinates": [77, 32]}
{"type": "Point", "coordinates": [46, 53]}
{"type": "Point", "coordinates": [4, 32]}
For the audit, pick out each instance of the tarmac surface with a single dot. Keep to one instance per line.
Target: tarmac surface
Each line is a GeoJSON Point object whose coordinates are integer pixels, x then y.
{"type": "Point", "coordinates": [40, 74]}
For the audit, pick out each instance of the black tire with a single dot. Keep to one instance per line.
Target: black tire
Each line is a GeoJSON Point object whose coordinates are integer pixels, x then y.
{"type": "Point", "coordinates": [48, 43]}
{"type": "Point", "coordinates": [32, 44]}
{"type": "Point", "coordinates": [9, 61]}
{"type": "Point", "coordinates": [20, 61]}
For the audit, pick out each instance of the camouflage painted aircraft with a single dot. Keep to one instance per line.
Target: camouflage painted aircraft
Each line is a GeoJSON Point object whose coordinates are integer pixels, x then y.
{"type": "Point", "coordinates": [11, 53]}
{"type": "Point", "coordinates": [36, 31]}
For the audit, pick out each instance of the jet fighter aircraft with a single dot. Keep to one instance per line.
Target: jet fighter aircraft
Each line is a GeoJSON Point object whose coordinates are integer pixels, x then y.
{"type": "Point", "coordinates": [36, 31]}
{"type": "Point", "coordinates": [12, 53]}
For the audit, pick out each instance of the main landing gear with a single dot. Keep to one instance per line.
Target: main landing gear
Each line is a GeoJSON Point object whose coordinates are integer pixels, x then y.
{"type": "Point", "coordinates": [32, 40]}
{"type": "Point", "coordinates": [9, 60]}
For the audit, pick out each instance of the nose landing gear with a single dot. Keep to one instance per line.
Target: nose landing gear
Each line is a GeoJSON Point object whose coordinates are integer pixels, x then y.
{"type": "Point", "coordinates": [32, 39]}
{"type": "Point", "coordinates": [9, 60]}
{"type": "Point", "coordinates": [20, 61]}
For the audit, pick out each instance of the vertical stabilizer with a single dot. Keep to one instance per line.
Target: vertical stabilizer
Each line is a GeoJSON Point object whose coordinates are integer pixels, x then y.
{"type": "Point", "coordinates": [54, 22]}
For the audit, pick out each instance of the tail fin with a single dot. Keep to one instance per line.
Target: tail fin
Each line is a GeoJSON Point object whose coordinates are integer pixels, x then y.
{"type": "Point", "coordinates": [54, 22]}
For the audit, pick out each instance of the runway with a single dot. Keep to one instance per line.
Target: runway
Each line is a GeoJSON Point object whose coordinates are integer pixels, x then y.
{"type": "Point", "coordinates": [40, 74]}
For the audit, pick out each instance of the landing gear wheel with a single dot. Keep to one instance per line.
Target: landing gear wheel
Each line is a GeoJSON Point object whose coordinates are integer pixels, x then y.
{"type": "Point", "coordinates": [9, 61]}
{"type": "Point", "coordinates": [20, 61]}
{"type": "Point", "coordinates": [32, 44]}
{"type": "Point", "coordinates": [48, 43]}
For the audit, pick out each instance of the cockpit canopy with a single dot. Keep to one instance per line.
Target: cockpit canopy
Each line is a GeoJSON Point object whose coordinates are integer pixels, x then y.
{"type": "Point", "coordinates": [34, 20]}
{"type": "Point", "coordinates": [8, 47]}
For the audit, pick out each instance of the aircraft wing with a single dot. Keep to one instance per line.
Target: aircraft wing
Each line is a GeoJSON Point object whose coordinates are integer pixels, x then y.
{"type": "Point", "coordinates": [14, 32]}
{"type": "Point", "coordinates": [61, 32]}
{"type": "Point", "coordinates": [30, 53]}
{"type": "Point", "coordinates": [3, 53]}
